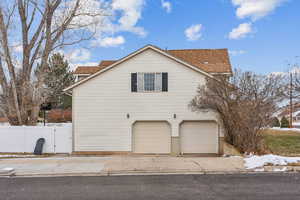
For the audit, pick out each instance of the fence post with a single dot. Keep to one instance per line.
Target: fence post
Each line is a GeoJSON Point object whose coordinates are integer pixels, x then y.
{"type": "Point", "coordinates": [24, 139]}
{"type": "Point", "coordinates": [54, 139]}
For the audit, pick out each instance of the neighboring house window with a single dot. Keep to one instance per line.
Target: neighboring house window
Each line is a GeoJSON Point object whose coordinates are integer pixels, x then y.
{"type": "Point", "coordinates": [149, 82]}
{"type": "Point", "coordinates": [81, 77]}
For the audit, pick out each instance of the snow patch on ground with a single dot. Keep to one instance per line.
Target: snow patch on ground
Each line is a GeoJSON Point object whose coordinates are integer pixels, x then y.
{"type": "Point", "coordinates": [280, 170]}
{"type": "Point", "coordinates": [15, 156]}
{"type": "Point", "coordinates": [260, 170]}
{"type": "Point", "coordinates": [286, 129]}
{"type": "Point", "coordinates": [8, 169]}
{"type": "Point", "coordinates": [60, 124]}
{"type": "Point", "coordinates": [253, 161]}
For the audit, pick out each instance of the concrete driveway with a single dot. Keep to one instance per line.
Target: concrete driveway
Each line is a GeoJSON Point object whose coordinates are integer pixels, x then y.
{"type": "Point", "coordinates": [59, 166]}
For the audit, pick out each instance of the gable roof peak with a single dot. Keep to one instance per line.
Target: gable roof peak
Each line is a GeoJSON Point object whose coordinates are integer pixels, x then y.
{"type": "Point", "coordinates": [200, 49]}
{"type": "Point", "coordinates": [204, 61]}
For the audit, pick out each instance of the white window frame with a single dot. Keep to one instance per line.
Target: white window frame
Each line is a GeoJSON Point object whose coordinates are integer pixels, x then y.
{"type": "Point", "coordinates": [143, 82]}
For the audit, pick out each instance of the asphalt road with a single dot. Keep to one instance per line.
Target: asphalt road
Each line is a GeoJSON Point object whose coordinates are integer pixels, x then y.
{"type": "Point", "coordinates": [171, 187]}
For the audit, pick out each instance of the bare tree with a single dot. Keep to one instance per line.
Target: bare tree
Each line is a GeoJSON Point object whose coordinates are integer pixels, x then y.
{"type": "Point", "coordinates": [245, 105]}
{"type": "Point", "coordinates": [292, 90]}
{"type": "Point", "coordinates": [293, 82]}
{"type": "Point", "coordinates": [42, 26]}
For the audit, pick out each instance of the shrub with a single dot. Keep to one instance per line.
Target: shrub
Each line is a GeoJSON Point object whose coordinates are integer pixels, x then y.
{"type": "Point", "coordinates": [245, 105]}
{"type": "Point", "coordinates": [275, 122]}
{"type": "Point", "coordinates": [284, 122]}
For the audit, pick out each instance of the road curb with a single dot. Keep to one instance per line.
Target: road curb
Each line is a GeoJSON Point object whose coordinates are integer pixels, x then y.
{"type": "Point", "coordinates": [142, 173]}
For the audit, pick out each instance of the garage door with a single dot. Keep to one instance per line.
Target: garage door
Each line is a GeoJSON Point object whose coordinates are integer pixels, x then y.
{"type": "Point", "coordinates": [199, 137]}
{"type": "Point", "coordinates": [151, 137]}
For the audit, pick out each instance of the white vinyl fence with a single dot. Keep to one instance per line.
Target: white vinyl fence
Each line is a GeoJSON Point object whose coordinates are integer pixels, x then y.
{"type": "Point", "coordinates": [22, 139]}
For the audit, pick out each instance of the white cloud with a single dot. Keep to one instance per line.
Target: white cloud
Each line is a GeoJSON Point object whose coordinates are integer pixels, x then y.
{"type": "Point", "coordinates": [77, 55]}
{"type": "Point", "coordinates": [18, 48]}
{"type": "Point", "coordinates": [193, 32]}
{"type": "Point", "coordinates": [80, 55]}
{"type": "Point", "coordinates": [119, 16]}
{"type": "Point", "coordinates": [89, 15]}
{"type": "Point", "coordinates": [236, 52]}
{"type": "Point", "coordinates": [87, 64]}
{"type": "Point", "coordinates": [241, 31]}
{"type": "Point", "coordinates": [166, 5]}
{"type": "Point", "coordinates": [131, 13]}
{"type": "Point", "coordinates": [109, 41]}
{"type": "Point", "coordinates": [255, 9]}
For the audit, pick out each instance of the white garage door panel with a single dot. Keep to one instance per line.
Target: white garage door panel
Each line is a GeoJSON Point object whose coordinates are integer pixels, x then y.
{"type": "Point", "coordinates": [151, 137]}
{"type": "Point", "coordinates": [199, 137]}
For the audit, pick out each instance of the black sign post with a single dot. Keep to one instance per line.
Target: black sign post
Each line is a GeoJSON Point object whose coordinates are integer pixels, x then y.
{"type": "Point", "coordinates": [44, 107]}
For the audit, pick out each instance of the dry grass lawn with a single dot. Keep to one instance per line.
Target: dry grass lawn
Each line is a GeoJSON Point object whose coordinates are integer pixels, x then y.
{"type": "Point", "coordinates": [286, 143]}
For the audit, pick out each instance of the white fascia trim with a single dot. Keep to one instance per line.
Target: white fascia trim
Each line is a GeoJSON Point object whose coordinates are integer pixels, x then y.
{"type": "Point", "coordinates": [220, 73]}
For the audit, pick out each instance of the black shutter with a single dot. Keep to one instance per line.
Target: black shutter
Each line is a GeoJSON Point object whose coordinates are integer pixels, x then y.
{"type": "Point", "coordinates": [165, 82]}
{"type": "Point", "coordinates": [133, 82]}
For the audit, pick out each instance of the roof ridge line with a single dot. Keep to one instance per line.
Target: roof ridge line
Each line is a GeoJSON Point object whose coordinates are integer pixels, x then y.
{"type": "Point", "coordinates": [195, 49]}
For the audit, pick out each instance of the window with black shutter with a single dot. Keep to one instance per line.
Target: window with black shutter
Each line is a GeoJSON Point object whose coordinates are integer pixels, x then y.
{"type": "Point", "coordinates": [133, 82]}
{"type": "Point", "coordinates": [149, 82]}
{"type": "Point", "coordinates": [165, 82]}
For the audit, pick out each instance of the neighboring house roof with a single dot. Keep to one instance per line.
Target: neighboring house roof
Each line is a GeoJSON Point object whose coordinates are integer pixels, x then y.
{"type": "Point", "coordinates": [106, 63]}
{"type": "Point", "coordinates": [174, 54]}
{"type": "Point", "coordinates": [86, 69]}
{"type": "Point", "coordinates": [93, 69]}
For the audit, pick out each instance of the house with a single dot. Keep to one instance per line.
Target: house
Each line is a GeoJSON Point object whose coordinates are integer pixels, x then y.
{"type": "Point", "coordinates": [139, 103]}
{"type": "Point", "coordinates": [82, 72]}
{"type": "Point", "coordinates": [285, 112]}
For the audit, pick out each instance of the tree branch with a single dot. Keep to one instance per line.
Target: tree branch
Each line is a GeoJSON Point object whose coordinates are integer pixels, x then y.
{"type": "Point", "coordinates": [11, 68]}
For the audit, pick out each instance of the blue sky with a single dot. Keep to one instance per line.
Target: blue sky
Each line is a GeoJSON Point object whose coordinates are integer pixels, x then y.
{"type": "Point", "coordinates": [265, 34]}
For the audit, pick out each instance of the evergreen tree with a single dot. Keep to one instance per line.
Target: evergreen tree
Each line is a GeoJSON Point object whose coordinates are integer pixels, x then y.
{"type": "Point", "coordinates": [57, 78]}
{"type": "Point", "coordinates": [275, 122]}
{"type": "Point", "coordinates": [284, 122]}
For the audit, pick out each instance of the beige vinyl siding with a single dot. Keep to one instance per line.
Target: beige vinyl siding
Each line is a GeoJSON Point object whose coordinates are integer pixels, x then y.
{"type": "Point", "coordinates": [101, 104]}
{"type": "Point", "coordinates": [199, 137]}
{"type": "Point", "coordinates": [152, 137]}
